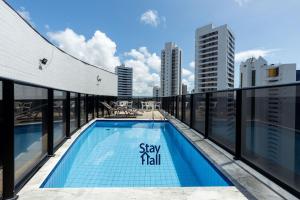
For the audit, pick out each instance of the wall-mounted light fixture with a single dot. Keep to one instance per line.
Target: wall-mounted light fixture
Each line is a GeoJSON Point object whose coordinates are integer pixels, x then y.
{"type": "Point", "coordinates": [43, 62]}
{"type": "Point", "coordinates": [98, 79]}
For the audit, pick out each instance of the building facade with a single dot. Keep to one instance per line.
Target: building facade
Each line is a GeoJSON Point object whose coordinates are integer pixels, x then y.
{"type": "Point", "coordinates": [156, 91]}
{"type": "Point", "coordinates": [33, 59]}
{"type": "Point", "coordinates": [214, 58]}
{"type": "Point", "coordinates": [125, 75]}
{"type": "Point", "coordinates": [170, 75]}
{"type": "Point", "coordinates": [257, 72]}
{"type": "Point", "coordinates": [184, 89]}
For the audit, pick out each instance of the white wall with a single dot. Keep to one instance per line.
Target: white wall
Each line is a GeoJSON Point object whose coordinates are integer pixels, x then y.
{"type": "Point", "coordinates": [21, 48]}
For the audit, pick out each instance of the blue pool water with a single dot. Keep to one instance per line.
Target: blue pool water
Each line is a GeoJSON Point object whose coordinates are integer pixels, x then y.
{"type": "Point", "coordinates": [107, 154]}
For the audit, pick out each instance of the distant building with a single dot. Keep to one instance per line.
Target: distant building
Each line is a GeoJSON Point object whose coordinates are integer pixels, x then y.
{"type": "Point", "coordinates": [125, 75]}
{"type": "Point", "coordinates": [270, 113]}
{"type": "Point", "coordinates": [297, 75]}
{"type": "Point", "coordinates": [156, 91]}
{"type": "Point", "coordinates": [184, 89]}
{"type": "Point", "coordinates": [257, 72]}
{"type": "Point", "coordinates": [214, 58]}
{"type": "Point", "coordinates": [170, 75]}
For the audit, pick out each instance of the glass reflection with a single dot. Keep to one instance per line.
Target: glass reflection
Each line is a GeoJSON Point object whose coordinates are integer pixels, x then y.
{"type": "Point", "coordinates": [199, 112]}
{"type": "Point", "coordinates": [59, 116]}
{"type": "Point", "coordinates": [30, 128]}
{"type": "Point", "coordinates": [73, 112]}
{"type": "Point", "coordinates": [82, 110]}
{"type": "Point", "coordinates": [221, 118]}
{"type": "Point", "coordinates": [270, 131]}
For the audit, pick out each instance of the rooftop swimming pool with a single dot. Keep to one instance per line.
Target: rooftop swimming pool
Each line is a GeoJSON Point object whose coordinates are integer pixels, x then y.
{"type": "Point", "coordinates": [133, 154]}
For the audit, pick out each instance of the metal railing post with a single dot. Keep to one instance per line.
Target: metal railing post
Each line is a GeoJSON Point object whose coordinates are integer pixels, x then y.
{"type": "Point", "coordinates": [8, 141]}
{"type": "Point", "coordinates": [97, 106]}
{"type": "Point", "coordinates": [192, 110]}
{"type": "Point", "coordinates": [67, 114]}
{"type": "Point", "coordinates": [50, 123]}
{"type": "Point", "coordinates": [86, 108]}
{"type": "Point", "coordinates": [78, 110]}
{"type": "Point", "coordinates": [238, 125]}
{"type": "Point", "coordinates": [182, 107]}
{"type": "Point", "coordinates": [206, 114]}
{"type": "Point", "coordinates": [93, 103]}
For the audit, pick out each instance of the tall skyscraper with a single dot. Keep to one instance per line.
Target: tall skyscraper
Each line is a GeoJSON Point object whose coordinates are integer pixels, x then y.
{"type": "Point", "coordinates": [156, 91]}
{"type": "Point", "coordinates": [214, 58]}
{"type": "Point", "coordinates": [170, 75]}
{"type": "Point", "coordinates": [124, 80]}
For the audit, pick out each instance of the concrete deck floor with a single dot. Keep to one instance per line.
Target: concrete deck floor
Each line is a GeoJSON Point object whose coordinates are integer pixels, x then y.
{"type": "Point", "coordinates": [248, 183]}
{"type": "Point", "coordinates": [150, 114]}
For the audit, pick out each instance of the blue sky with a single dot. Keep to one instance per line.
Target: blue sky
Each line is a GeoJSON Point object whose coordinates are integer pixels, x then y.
{"type": "Point", "coordinates": [262, 27]}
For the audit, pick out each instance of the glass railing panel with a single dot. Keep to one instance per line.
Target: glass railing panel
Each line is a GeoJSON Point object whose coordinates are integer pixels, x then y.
{"type": "Point", "coordinates": [73, 111]}
{"type": "Point", "coordinates": [179, 109]}
{"type": "Point", "coordinates": [90, 106]}
{"type": "Point", "coordinates": [59, 116]}
{"type": "Point", "coordinates": [270, 131]}
{"type": "Point", "coordinates": [30, 128]}
{"type": "Point", "coordinates": [187, 109]}
{"type": "Point", "coordinates": [199, 113]}
{"type": "Point", "coordinates": [174, 106]}
{"type": "Point", "coordinates": [82, 109]}
{"type": "Point", "coordinates": [222, 118]}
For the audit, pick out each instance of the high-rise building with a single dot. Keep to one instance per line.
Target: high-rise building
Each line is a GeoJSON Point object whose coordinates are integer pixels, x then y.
{"type": "Point", "coordinates": [124, 80]}
{"type": "Point", "coordinates": [184, 89]}
{"type": "Point", "coordinates": [156, 91]}
{"type": "Point", "coordinates": [170, 75]}
{"type": "Point", "coordinates": [214, 58]}
{"type": "Point", "coordinates": [257, 72]}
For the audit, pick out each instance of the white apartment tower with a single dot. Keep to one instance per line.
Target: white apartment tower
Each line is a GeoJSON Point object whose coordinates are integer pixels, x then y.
{"type": "Point", "coordinates": [125, 75]}
{"type": "Point", "coordinates": [170, 74]}
{"type": "Point", "coordinates": [156, 91]}
{"type": "Point", "coordinates": [214, 58]}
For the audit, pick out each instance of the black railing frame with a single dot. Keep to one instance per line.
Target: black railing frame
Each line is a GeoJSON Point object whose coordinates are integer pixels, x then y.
{"type": "Point", "coordinates": [8, 137]}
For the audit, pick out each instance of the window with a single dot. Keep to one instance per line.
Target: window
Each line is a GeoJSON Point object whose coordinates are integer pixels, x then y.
{"type": "Point", "coordinates": [82, 110]}
{"type": "Point", "coordinates": [273, 72]}
{"type": "Point", "coordinates": [30, 128]}
{"type": "Point", "coordinates": [241, 80]}
{"type": "Point", "coordinates": [253, 78]}
{"type": "Point", "coordinates": [59, 116]}
{"type": "Point", "coordinates": [73, 112]}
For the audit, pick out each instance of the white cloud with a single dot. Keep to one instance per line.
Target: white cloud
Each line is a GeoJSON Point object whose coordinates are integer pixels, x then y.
{"type": "Point", "coordinates": [188, 78]}
{"type": "Point", "coordinates": [25, 15]}
{"type": "Point", "coordinates": [98, 50]}
{"type": "Point", "coordinates": [244, 55]}
{"type": "Point", "coordinates": [186, 72]}
{"type": "Point", "coordinates": [242, 2]}
{"type": "Point", "coordinates": [152, 18]}
{"type": "Point", "coordinates": [146, 68]}
{"type": "Point", "coordinates": [192, 64]}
